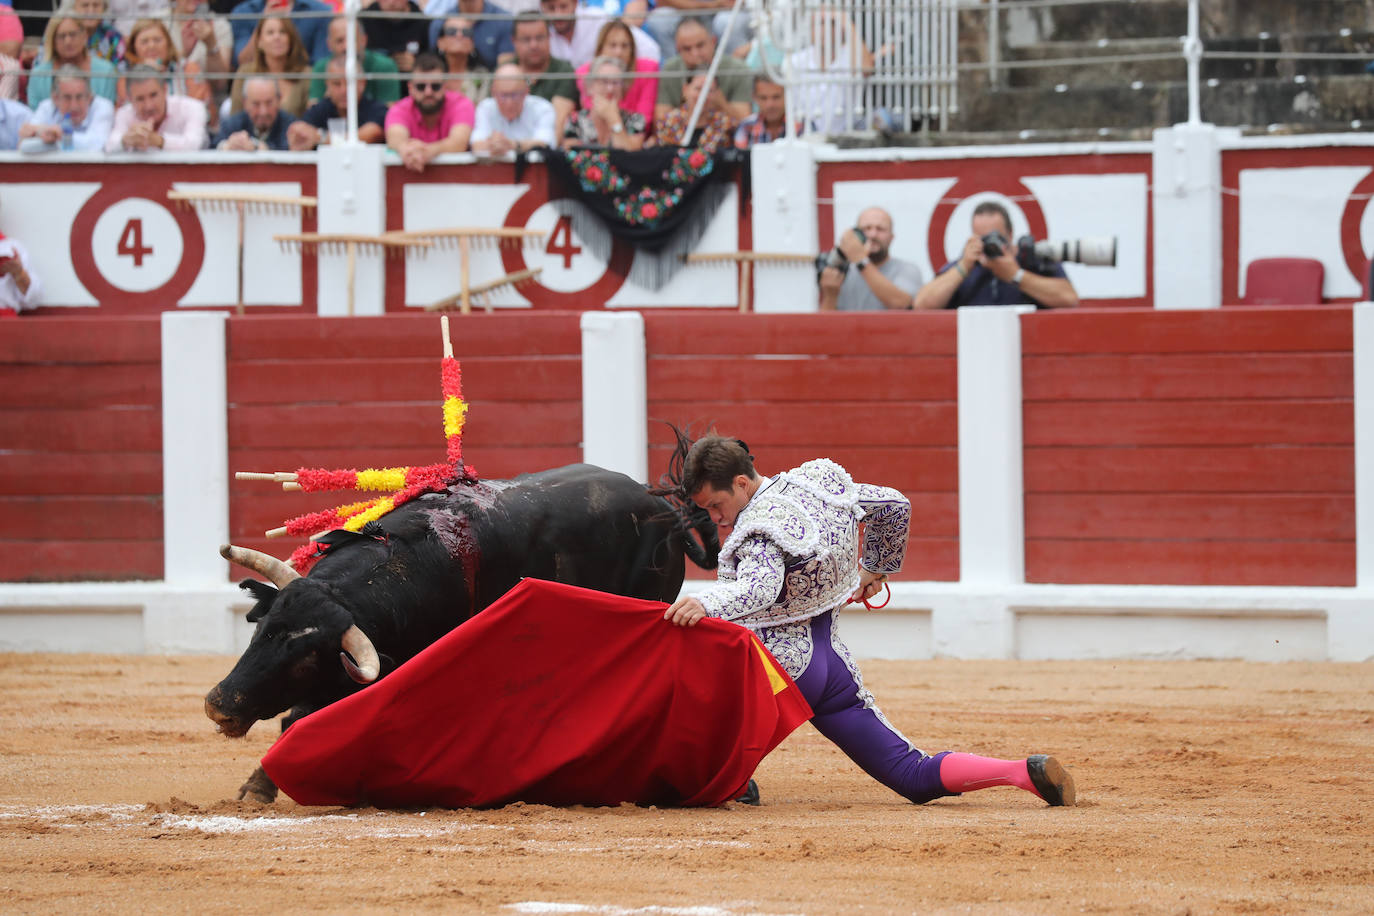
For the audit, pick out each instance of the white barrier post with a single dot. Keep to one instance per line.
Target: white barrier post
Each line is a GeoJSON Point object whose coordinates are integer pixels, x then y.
{"type": "Point", "coordinates": [195, 486]}
{"type": "Point", "coordinates": [615, 418]}
{"type": "Point", "coordinates": [351, 186]}
{"type": "Point", "coordinates": [1350, 628]}
{"type": "Point", "coordinates": [991, 494]}
{"type": "Point", "coordinates": [784, 219]}
{"type": "Point", "coordinates": [1186, 180]}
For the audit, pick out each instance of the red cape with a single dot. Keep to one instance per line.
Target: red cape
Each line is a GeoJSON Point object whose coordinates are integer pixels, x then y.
{"type": "Point", "coordinates": [553, 695]}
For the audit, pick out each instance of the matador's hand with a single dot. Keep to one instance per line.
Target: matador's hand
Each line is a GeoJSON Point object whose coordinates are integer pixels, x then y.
{"type": "Point", "coordinates": [685, 612]}
{"type": "Point", "coordinates": [870, 583]}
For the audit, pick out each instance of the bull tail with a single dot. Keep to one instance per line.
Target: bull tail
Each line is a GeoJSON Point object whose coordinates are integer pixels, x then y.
{"type": "Point", "coordinates": [698, 536]}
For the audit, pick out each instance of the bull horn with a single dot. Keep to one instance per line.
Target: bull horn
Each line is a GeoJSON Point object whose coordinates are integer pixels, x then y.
{"type": "Point", "coordinates": [356, 644]}
{"type": "Point", "coordinates": [272, 569]}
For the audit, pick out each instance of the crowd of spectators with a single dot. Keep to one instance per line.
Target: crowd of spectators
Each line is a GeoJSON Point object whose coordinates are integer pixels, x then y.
{"type": "Point", "coordinates": [445, 76]}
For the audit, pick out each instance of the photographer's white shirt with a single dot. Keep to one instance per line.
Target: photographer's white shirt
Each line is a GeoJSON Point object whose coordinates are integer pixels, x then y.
{"type": "Point", "coordinates": [10, 296]}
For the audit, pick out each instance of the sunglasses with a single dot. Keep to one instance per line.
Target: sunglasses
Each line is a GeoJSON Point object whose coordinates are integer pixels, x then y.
{"type": "Point", "coordinates": [453, 31]}
{"type": "Point", "coordinates": [437, 86]}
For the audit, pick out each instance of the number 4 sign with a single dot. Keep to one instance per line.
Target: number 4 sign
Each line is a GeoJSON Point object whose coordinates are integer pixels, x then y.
{"type": "Point", "coordinates": [134, 250]}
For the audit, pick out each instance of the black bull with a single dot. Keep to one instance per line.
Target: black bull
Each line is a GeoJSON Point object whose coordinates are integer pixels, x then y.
{"type": "Point", "coordinates": [384, 594]}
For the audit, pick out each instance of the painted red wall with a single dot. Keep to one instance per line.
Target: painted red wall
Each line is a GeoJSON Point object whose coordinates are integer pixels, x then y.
{"type": "Point", "coordinates": [875, 392]}
{"type": "Point", "coordinates": [80, 449]}
{"type": "Point", "coordinates": [1190, 447]}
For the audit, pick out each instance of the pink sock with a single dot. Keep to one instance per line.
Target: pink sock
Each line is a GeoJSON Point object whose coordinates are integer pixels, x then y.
{"type": "Point", "coordinates": [969, 772]}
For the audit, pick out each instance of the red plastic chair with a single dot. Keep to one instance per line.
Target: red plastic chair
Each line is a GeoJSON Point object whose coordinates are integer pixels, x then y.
{"type": "Point", "coordinates": [1283, 281]}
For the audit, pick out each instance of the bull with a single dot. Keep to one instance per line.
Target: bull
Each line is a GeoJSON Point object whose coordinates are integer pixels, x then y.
{"type": "Point", "coordinates": [380, 596]}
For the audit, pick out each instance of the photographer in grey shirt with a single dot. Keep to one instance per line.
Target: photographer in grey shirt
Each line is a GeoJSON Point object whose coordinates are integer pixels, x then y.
{"type": "Point", "coordinates": [873, 279]}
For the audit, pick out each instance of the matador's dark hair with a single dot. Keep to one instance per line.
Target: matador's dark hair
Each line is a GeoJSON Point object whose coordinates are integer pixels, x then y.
{"type": "Point", "coordinates": [712, 460]}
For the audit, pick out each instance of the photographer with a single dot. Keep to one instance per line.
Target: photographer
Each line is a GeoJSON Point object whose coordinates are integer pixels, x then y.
{"type": "Point", "coordinates": [983, 277]}
{"type": "Point", "coordinates": [863, 277]}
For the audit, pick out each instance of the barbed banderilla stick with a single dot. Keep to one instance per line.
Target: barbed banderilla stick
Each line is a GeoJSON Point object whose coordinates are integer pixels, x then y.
{"type": "Point", "coordinates": [746, 261]}
{"type": "Point", "coordinates": [241, 200]}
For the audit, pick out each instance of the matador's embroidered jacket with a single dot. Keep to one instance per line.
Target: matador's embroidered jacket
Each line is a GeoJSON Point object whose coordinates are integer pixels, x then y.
{"type": "Point", "coordinates": [794, 551]}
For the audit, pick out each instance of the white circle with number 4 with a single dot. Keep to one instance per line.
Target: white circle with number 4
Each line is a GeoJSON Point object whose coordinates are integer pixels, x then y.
{"type": "Point", "coordinates": [137, 244]}
{"type": "Point", "coordinates": [569, 263]}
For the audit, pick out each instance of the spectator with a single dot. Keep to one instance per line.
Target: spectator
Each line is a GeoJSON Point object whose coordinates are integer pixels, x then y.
{"type": "Point", "coordinates": [832, 68]}
{"type": "Point", "coordinates": [465, 72]}
{"type": "Point", "coordinates": [374, 63]}
{"type": "Point", "coordinates": [13, 117]}
{"type": "Point", "coordinates": [127, 13]}
{"type": "Point", "coordinates": [150, 45]}
{"type": "Point", "coordinates": [695, 48]}
{"type": "Point", "coordinates": [430, 120]}
{"type": "Point", "coordinates": [616, 40]}
{"type": "Point", "coordinates": [512, 119]}
{"type": "Point", "coordinates": [153, 119]}
{"type": "Point", "coordinates": [309, 131]}
{"type": "Point", "coordinates": [312, 29]}
{"type": "Point", "coordinates": [979, 279]}
{"type": "Point", "coordinates": [278, 52]}
{"type": "Point", "coordinates": [64, 45]}
{"type": "Point", "coordinates": [549, 78]}
{"type": "Point", "coordinates": [10, 71]}
{"type": "Point", "coordinates": [91, 117]}
{"type": "Point", "coordinates": [19, 286]}
{"type": "Point", "coordinates": [874, 280]}
{"type": "Point", "coordinates": [667, 15]}
{"type": "Point", "coordinates": [103, 40]}
{"type": "Point", "coordinates": [398, 28]}
{"type": "Point", "coordinates": [715, 127]}
{"type": "Point", "coordinates": [262, 125]}
{"type": "Point", "coordinates": [605, 122]}
{"type": "Point", "coordinates": [768, 123]}
{"type": "Point", "coordinates": [205, 43]}
{"type": "Point", "coordinates": [11, 42]}
{"type": "Point", "coordinates": [491, 37]}
{"type": "Point", "coordinates": [574, 31]}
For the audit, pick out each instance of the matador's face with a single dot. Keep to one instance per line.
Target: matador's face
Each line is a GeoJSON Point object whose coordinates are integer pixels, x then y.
{"type": "Point", "coordinates": [724, 506]}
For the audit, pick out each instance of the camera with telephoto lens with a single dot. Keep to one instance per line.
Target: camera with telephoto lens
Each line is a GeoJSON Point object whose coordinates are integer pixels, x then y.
{"type": "Point", "coordinates": [835, 257]}
{"type": "Point", "coordinates": [1038, 257]}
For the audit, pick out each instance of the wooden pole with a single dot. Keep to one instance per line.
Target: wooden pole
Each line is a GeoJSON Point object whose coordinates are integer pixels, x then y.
{"type": "Point", "coordinates": [448, 344]}
{"type": "Point", "coordinates": [352, 271]}
{"type": "Point", "coordinates": [240, 205]}
{"type": "Point", "coordinates": [464, 292]}
{"type": "Point", "coordinates": [746, 270]}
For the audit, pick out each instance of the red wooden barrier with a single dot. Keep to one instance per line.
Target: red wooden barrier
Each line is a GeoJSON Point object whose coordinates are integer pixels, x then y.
{"type": "Point", "coordinates": [364, 392]}
{"type": "Point", "coordinates": [875, 392]}
{"type": "Point", "coordinates": [1190, 448]}
{"type": "Point", "coordinates": [80, 449]}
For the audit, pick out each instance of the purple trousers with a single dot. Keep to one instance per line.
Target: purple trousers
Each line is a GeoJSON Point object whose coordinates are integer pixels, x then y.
{"type": "Point", "coordinates": [847, 714]}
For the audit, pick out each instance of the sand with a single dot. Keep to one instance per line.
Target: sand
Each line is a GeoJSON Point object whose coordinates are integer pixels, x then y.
{"type": "Point", "coordinates": [1204, 787]}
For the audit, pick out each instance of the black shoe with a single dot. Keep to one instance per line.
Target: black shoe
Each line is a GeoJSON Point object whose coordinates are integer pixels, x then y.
{"type": "Point", "coordinates": [751, 794]}
{"type": "Point", "coordinates": [1051, 780]}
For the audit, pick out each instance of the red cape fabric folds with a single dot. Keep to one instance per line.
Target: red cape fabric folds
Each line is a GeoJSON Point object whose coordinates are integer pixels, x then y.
{"type": "Point", "coordinates": [553, 695]}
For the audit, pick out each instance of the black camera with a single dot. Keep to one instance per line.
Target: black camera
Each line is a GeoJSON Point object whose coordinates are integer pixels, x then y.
{"type": "Point", "coordinates": [835, 257]}
{"type": "Point", "coordinates": [1095, 251]}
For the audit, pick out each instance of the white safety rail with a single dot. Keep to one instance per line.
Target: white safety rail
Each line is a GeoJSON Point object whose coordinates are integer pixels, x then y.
{"type": "Point", "coordinates": [852, 65]}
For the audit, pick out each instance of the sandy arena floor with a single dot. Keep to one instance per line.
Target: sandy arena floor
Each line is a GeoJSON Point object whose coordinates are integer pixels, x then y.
{"type": "Point", "coordinates": [1204, 787]}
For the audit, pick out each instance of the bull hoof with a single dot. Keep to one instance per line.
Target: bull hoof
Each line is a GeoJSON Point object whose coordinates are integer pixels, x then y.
{"type": "Point", "coordinates": [258, 788]}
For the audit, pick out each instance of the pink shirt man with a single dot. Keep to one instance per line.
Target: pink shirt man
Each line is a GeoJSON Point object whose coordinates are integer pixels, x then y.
{"type": "Point", "coordinates": [458, 109]}
{"type": "Point", "coordinates": [182, 128]}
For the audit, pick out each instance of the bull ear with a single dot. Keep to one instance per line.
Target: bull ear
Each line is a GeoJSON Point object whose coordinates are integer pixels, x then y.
{"type": "Point", "coordinates": [265, 594]}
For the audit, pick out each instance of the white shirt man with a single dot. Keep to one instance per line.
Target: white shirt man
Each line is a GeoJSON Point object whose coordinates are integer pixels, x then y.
{"type": "Point", "coordinates": [511, 118]}
{"type": "Point", "coordinates": [91, 116]}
